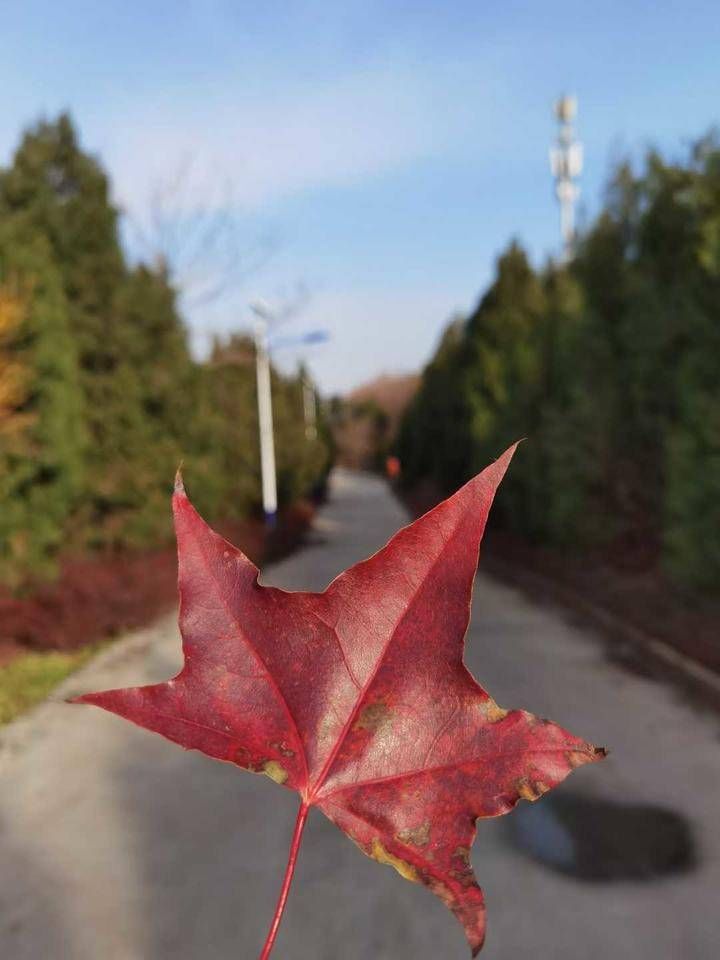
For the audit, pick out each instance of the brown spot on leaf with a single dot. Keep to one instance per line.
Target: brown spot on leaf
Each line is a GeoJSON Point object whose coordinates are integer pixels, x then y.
{"type": "Point", "coordinates": [417, 836]}
{"type": "Point", "coordinates": [464, 877]}
{"type": "Point", "coordinates": [531, 790]}
{"type": "Point", "coordinates": [462, 853]}
{"type": "Point", "coordinates": [373, 717]}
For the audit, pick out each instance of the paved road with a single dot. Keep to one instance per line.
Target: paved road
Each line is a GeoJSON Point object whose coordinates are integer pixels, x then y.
{"type": "Point", "coordinates": [115, 845]}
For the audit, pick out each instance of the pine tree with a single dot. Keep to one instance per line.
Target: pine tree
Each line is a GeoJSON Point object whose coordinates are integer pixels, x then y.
{"type": "Point", "coordinates": [434, 438]}
{"type": "Point", "coordinates": [61, 194]}
{"type": "Point", "coordinates": [158, 381]}
{"type": "Point", "coordinates": [609, 367]}
{"type": "Point", "coordinates": [100, 398]}
{"type": "Point", "coordinates": [41, 414]}
{"type": "Point", "coordinates": [224, 464]}
{"type": "Point", "coordinates": [131, 346]}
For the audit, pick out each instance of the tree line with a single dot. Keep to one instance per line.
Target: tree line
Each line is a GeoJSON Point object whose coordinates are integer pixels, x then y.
{"type": "Point", "coordinates": [609, 365]}
{"type": "Point", "coordinates": [100, 397]}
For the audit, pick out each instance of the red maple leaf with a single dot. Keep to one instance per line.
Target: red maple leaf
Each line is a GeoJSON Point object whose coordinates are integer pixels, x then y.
{"type": "Point", "coordinates": [358, 697]}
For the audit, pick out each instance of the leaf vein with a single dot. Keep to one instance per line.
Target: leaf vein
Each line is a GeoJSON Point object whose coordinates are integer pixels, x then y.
{"type": "Point", "coordinates": [368, 683]}
{"type": "Point", "coordinates": [271, 679]}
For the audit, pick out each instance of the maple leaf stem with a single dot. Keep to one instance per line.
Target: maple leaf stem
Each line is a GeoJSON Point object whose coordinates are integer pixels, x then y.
{"type": "Point", "coordinates": [287, 880]}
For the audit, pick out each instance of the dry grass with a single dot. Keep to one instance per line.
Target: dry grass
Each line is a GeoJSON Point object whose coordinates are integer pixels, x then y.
{"type": "Point", "coordinates": [30, 677]}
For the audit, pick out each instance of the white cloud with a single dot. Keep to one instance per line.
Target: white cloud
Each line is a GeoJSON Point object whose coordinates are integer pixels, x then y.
{"type": "Point", "coordinates": [293, 138]}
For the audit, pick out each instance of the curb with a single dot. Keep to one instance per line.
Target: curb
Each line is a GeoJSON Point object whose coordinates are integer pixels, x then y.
{"type": "Point", "coordinates": [677, 666]}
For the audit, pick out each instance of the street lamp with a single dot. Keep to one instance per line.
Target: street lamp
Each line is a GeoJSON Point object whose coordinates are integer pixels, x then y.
{"type": "Point", "coordinates": [309, 408]}
{"type": "Point", "coordinates": [264, 316]}
{"type": "Point", "coordinates": [566, 161]}
{"type": "Point", "coordinates": [308, 387]}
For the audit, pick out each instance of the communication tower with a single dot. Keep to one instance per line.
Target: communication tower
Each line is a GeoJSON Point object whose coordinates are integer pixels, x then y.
{"type": "Point", "coordinates": [566, 161]}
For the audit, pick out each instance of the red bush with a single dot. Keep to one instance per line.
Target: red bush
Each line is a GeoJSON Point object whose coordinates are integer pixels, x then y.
{"type": "Point", "coordinates": [106, 594]}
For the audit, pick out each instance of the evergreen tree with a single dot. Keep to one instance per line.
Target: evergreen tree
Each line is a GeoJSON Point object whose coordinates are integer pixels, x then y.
{"type": "Point", "coordinates": [134, 364]}
{"type": "Point", "coordinates": [609, 367]}
{"type": "Point", "coordinates": [434, 436]}
{"type": "Point", "coordinates": [302, 461]}
{"type": "Point", "coordinates": [692, 442]}
{"type": "Point", "coordinates": [41, 413]}
{"type": "Point", "coordinates": [223, 461]}
{"type": "Point", "coordinates": [61, 194]}
{"type": "Point", "coordinates": [99, 397]}
{"type": "Point", "coordinates": [502, 369]}
{"type": "Point", "coordinates": [157, 385]}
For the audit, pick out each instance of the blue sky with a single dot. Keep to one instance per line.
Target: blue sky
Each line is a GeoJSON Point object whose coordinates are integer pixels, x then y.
{"type": "Point", "coordinates": [389, 150]}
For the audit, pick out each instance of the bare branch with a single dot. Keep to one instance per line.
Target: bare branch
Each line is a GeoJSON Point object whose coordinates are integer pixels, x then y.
{"type": "Point", "coordinates": [192, 232]}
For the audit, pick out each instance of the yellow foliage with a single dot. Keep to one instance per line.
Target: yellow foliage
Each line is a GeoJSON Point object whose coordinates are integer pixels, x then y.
{"type": "Point", "coordinates": [14, 375]}
{"type": "Point", "coordinates": [12, 312]}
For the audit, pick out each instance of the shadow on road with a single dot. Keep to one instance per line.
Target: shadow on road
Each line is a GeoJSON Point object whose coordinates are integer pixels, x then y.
{"type": "Point", "coordinates": [603, 841]}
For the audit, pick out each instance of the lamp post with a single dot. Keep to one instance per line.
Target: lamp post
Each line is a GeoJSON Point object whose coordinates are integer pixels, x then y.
{"type": "Point", "coordinates": [566, 161]}
{"type": "Point", "coordinates": [265, 417]}
{"type": "Point", "coordinates": [309, 409]}
{"type": "Point", "coordinates": [264, 316]}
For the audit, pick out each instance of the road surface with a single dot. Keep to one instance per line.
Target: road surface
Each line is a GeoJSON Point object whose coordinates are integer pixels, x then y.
{"type": "Point", "coordinates": [117, 845]}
